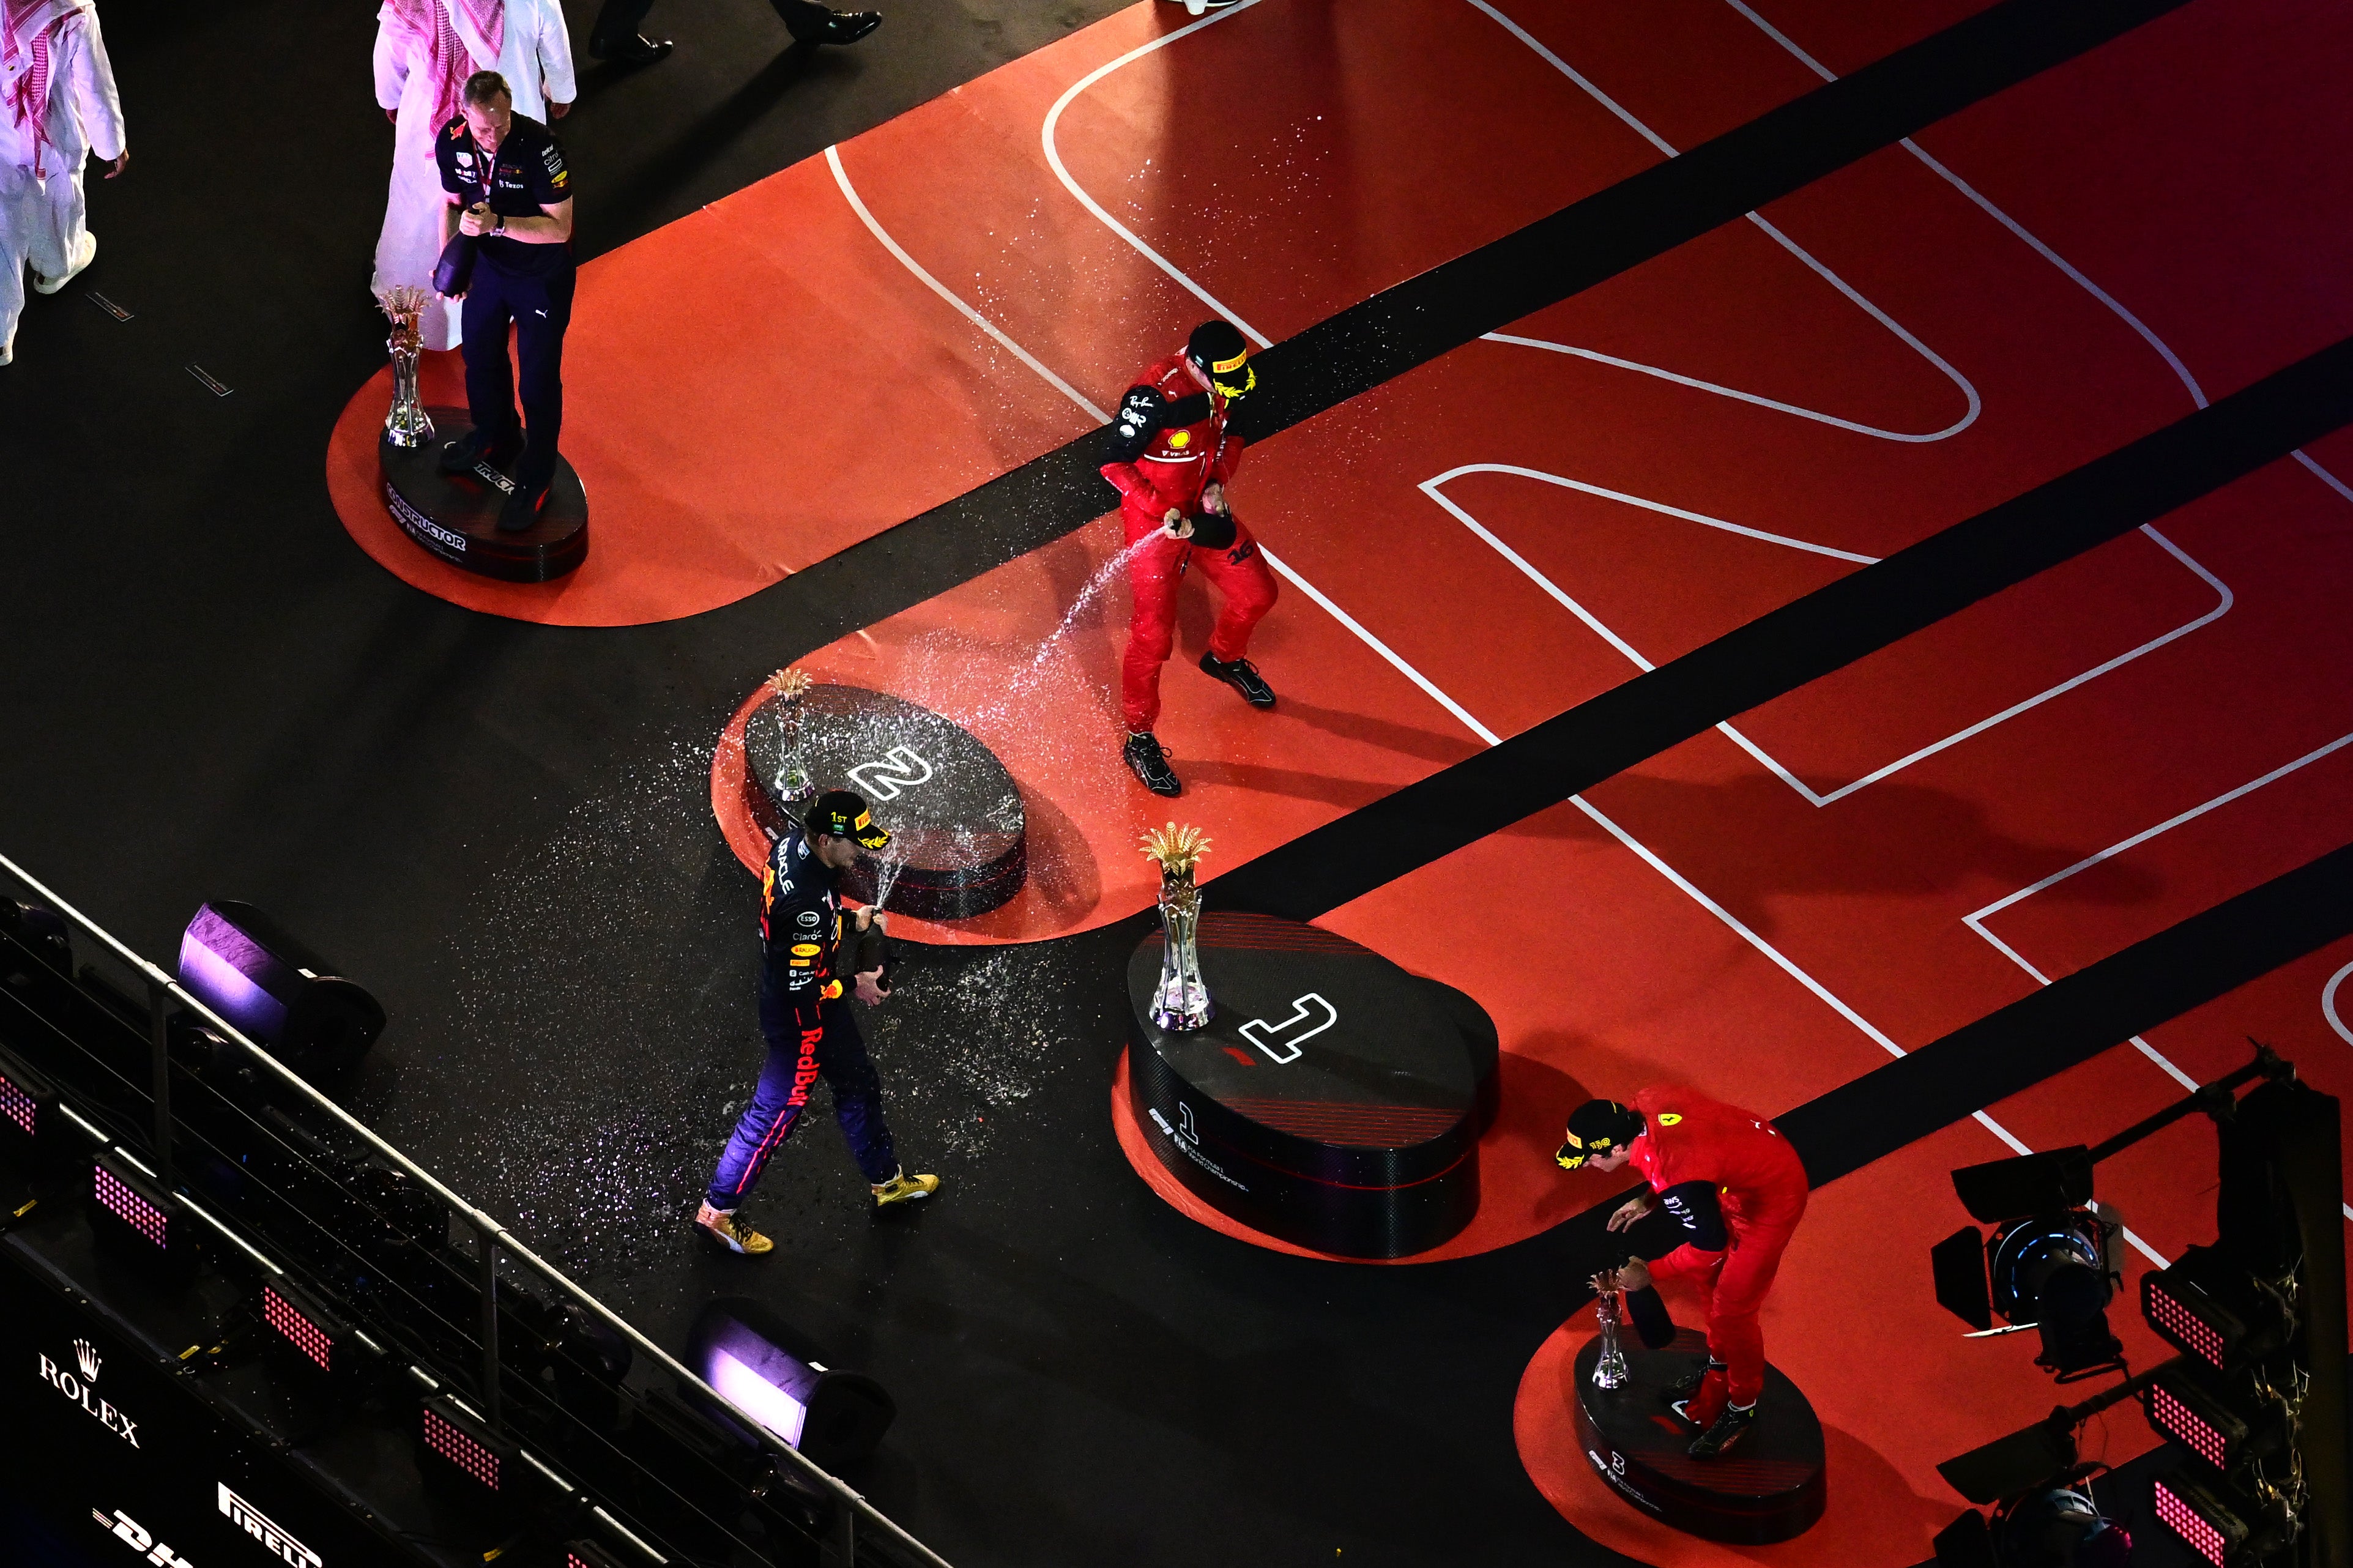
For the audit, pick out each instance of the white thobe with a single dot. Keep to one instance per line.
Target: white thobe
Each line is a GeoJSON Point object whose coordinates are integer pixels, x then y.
{"type": "Point", "coordinates": [535, 57]}
{"type": "Point", "coordinates": [42, 220]}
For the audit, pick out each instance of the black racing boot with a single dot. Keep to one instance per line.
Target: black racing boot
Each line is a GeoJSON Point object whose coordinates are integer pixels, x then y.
{"type": "Point", "coordinates": [835, 27]}
{"type": "Point", "coordinates": [1243, 675]}
{"type": "Point", "coordinates": [1148, 760]}
{"type": "Point", "coordinates": [1688, 1384]}
{"type": "Point", "coordinates": [1729, 1428]}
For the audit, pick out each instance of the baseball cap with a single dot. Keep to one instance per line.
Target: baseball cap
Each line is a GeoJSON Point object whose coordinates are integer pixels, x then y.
{"type": "Point", "coordinates": [1220, 352]}
{"type": "Point", "coordinates": [842, 815]}
{"type": "Point", "coordinates": [1595, 1127]}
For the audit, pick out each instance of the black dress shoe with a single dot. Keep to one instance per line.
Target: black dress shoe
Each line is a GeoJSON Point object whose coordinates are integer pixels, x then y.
{"type": "Point", "coordinates": [636, 50]}
{"type": "Point", "coordinates": [839, 27]}
{"type": "Point", "coordinates": [521, 509]}
{"type": "Point", "coordinates": [1148, 760]}
{"type": "Point", "coordinates": [1243, 675]}
{"type": "Point", "coordinates": [461, 456]}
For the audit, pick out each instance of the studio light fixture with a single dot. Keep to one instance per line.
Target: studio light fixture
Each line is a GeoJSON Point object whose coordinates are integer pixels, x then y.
{"type": "Point", "coordinates": [2215, 1310]}
{"type": "Point", "coordinates": [305, 1332]}
{"type": "Point", "coordinates": [773, 1374]}
{"type": "Point", "coordinates": [31, 1134]}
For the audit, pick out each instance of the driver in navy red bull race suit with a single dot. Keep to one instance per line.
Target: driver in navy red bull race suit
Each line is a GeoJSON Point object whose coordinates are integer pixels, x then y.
{"type": "Point", "coordinates": [811, 1032]}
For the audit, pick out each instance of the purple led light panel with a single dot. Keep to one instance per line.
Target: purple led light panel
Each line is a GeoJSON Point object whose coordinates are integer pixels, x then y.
{"type": "Point", "coordinates": [18, 1107]}
{"type": "Point", "coordinates": [288, 1320]}
{"type": "Point", "coordinates": [461, 1450]}
{"type": "Point", "coordinates": [2191, 1525]}
{"type": "Point", "coordinates": [2173, 1318]}
{"type": "Point", "coordinates": [128, 1207]}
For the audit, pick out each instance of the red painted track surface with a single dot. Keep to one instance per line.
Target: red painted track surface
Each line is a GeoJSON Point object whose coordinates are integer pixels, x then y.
{"type": "Point", "coordinates": [1867, 863]}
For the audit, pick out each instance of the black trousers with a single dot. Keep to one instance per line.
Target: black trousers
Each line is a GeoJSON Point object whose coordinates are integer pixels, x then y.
{"type": "Point", "coordinates": [540, 307]}
{"type": "Point", "coordinates": [621, 20]}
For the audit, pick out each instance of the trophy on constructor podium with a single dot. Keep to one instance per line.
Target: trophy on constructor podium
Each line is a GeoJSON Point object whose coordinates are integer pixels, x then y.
{"type": "Point", "coordinates": [1182, 1002]}
{"type": "Point", "coordinates": [406, 426]}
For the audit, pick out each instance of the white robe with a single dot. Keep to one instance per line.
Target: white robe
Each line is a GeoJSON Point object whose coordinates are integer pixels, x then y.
{"type": "Point", "coordinates": [42, 220]}
{"type": "Point", "coordinates": [535, 57]}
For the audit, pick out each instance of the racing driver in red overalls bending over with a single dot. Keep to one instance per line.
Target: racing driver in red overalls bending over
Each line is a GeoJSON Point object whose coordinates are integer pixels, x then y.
{"type": "Point", "coordinates": [1673, 1136]}
{"type": "Point", "coordinates": [1174, 456]}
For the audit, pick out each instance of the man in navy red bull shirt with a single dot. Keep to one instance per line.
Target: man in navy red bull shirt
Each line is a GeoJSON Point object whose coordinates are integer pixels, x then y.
{"type": "Point", "coordinates": [1675, 1137]}
{"type": "Point", "coordinates": [811, 1032]}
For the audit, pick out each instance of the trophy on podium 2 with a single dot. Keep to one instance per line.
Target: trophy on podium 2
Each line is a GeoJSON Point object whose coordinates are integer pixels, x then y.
{"type": "Point", "coordinates": [1610, 1371]}
{"type": "Point", "coordinates": [406, 426]}
{"type": "Point", "coordinates": [1182, 1002]}
{"type": "Point", "coordinates": [793, 784]}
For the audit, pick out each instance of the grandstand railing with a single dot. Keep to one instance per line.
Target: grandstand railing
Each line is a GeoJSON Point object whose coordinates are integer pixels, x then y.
{"type": "Point", "coordinates": [855, 1522]}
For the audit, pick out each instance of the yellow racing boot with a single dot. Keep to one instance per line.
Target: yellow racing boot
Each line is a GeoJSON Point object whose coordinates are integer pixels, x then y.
{"type": "Point", "coordinates": [903, 1188]}
{"type": "Point", "coordinates": [723, 1227]}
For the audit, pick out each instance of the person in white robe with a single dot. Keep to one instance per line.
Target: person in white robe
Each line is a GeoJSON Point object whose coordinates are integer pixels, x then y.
{"type": "Point", "coordinates": [424, 50]}
{"type": "Point", "coordinates": [58, 105]}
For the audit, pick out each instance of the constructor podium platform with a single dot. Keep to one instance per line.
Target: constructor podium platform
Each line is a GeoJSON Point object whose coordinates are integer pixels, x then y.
{"type": "Point", "coordinates": [1334, 1101]}
{"type": "Point", "coordinates": [959, 837]}
{"type": "Point", "coordinates": [456, 516]}
{"type": "Point", "coordinates": [1768, 1487]}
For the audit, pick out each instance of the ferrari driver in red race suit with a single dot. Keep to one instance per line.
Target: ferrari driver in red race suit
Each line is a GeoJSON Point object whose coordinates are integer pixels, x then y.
{"type": "Point", "coordinates": [1174, 456]}
{"type": "Point", "coordinates": [1673, 1137]}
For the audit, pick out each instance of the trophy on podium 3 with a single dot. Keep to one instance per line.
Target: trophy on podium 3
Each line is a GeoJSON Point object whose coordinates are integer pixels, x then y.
{"type": "Point", "coordinates": [406, 426]}
{"type": "Point", "coordinates": [1182, 1003]}
{"type": "Point", "coordinates": [1610, 1371]}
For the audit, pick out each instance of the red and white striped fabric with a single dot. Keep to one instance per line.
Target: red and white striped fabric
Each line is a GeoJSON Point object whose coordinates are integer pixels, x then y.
{"type": "Point", "coordinates": [457, 38]}
{"type": "Point", "coordinates": [27, 31]}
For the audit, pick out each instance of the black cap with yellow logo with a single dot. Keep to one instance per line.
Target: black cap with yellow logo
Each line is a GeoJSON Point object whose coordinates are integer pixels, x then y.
{"type": "Point", "coordinates": [841, 814]}
{"type": "Point", "coordinates": [1219, 353]}
{"type": "Point", "coordinates": [1595, 1127]}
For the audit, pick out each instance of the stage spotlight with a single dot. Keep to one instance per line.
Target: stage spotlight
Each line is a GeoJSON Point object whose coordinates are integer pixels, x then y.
{"type": "Point", "coordinates": [246, 967]}
{"type": "Point", "coordinates": [131, 1212]}
{"type": "Point", "coordinates": [588, 1554]}
{"type": "Point", "coordinates": [2000, 1190]}
{"type": "Point", "coordinates": [772, 1373]}
{"type": "Point", "coordinates": [2215, 1310]}
{"type": "Point", "coordinates": [2054, 1272]}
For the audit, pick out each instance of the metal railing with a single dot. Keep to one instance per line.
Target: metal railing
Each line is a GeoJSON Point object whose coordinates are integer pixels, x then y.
{"type": "Point", "coordinates": [851, 1511]}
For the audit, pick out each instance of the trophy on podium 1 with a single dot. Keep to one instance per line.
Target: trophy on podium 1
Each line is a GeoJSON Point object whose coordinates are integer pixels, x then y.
{"type": "Point", "coordinates": [1182, 1003]}
{"type": "Point", "coordinates": [406, 426]}
{"type": "Point", "coordinates": [1610, 1371]}
{"type": "Point", "coordinates": [792, 783]}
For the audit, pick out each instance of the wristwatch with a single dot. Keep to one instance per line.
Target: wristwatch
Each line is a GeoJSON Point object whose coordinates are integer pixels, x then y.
{"type": "Point", "coordinates": [499, 226]}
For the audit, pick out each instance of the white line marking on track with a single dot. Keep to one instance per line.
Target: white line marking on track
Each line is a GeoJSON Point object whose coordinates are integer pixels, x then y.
{"type": "Point", "coordinates": [1969, 393]}
{"type": "Point", "coordinates": [1469, 721]}
{"type": "Point", "coordinates": [1054, 160]}
{"type": "Point", "coordinates": [2328, 1011]}
{"type": "Point", "coordinates": [1976, 921]}
{"type": "Point", "coordinates": [1432, 488]}
{"type": "Point", "coordinates": [1323, 601]}
{"type": "Point", "coordinates": [841, 178]}
{"type": "Point", "coordinates": [2163, 352]}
